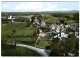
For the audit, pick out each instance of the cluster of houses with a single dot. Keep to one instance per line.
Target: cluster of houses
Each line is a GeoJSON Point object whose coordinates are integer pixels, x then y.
{"type": "Point", "coordinates": [60, 31]}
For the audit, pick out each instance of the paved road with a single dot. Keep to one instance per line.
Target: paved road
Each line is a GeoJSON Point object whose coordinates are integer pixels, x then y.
{"type": "Point", "coordinates": [41, 51]}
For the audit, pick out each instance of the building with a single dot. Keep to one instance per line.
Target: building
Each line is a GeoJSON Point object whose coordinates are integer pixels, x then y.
{"type": "Point", "coordinates": [10, 17]}
{"type": "Point", "coordinates": [43, 24]}
{"type": "Point", "coordinates": [61, 35]}
{"type": "Point", "coordinates": [42, 35]}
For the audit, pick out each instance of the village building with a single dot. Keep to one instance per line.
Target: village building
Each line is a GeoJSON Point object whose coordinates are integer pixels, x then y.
{"type": "Point", "coordinates": [64, 29]}
{"type": "Point", "coordinates": [3, 17]}
{"type": "Point", "coordinates": [58, 28]}
{"type": "Point", "coordinates": [53, 27]}
{"type": "Point", "coordinates": [37, 21]}
{"type": "Point", "coordinates": [42, 35]}
{"type": "Point", "coordinates": [61, 35]}
{"type": "Point", "coordinates": [40, 30]}
{"type": "Point", "coordinates": [67, 26]}
{"type": "Point", "coordinates": [10, 17]}
{"type": "Point", "coordinates": [43, 24]}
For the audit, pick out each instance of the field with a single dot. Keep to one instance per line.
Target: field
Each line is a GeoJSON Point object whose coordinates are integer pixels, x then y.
{"type": "Point", "coordinates": [18, 51]}
{"type": "Point", "coordinates": [21, 29]}
{"type": "Point", "coordinates": [43, 43]}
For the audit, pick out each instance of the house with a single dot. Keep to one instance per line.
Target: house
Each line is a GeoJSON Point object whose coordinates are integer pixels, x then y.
{"type": "Point", "coordinates": [67, 26]}
{"type": "Point", "coordinates": [42, 35]}
{"type": "Point", "coordinates": [64, 29]}
{"type": "Point", "coordinates": [61, 35]}
{"type": "Point", "coordinates": [53, 26]}
{"type": "Point", "coordinates": [58, 28]}
{"type": "Point", "coordinates": [61, 25]}
{"type": "Point", "coordinates": [40, 30]}
{"type": "Point", "coordinates": [43, 24]}
{"type": "Point", "coordinates": [3, 17]}
{"type": "Point", "coordinates": [11, 18]}
{"type": "Point", "coordinates": [64, 35]}
{"type": "Point", "coordinates": [37, 21]}
{"type": "Point", "coordinates": [14, 18]}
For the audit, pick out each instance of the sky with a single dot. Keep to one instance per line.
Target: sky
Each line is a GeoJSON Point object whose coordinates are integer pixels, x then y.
{"type": "Point", "coordinates": [38, 6]}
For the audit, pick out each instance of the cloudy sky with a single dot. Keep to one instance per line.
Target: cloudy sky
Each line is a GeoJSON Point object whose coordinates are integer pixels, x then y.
{"type": "Point", "coordinates": [38, 6]}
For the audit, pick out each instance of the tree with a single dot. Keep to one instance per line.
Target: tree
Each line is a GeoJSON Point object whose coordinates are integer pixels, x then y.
{"type": "Point", "coordinates": [61, 47]}
{"type": "Point", "coordinates": [33, 17]}
{"type": "Point", "coordinates": [14, 31]}
{"type": "Point", "coordinates": [56, 48]}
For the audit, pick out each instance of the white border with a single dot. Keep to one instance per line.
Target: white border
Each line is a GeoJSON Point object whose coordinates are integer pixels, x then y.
{"type": "Point", "coordinates": [39, 0]}
{"type": "Point", "coordinates": [0, 27]}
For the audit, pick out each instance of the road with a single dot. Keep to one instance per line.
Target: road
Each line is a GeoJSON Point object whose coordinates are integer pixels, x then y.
{"type": "Point", "coordinates": [41, 51]}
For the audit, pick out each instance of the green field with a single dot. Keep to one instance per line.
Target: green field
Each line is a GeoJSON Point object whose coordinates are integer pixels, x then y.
{"type": "Point", "coordinates": [26, 31]}
{"type": "Point", "coordinates": [21, 29]}
{"type": "Point", "coordinates": [51, 20]}
{"type": "Point", "coordinates": [43, 43]}
{"type": "Point", "coordinates": [8, 50]}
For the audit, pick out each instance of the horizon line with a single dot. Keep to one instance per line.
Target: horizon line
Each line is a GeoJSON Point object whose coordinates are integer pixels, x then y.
{"type": "Point", "coordinates": [39, 11]}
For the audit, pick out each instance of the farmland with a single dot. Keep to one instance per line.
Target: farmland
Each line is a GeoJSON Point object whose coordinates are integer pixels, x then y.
{"type": "Point", "coordinates": [21, 29]}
